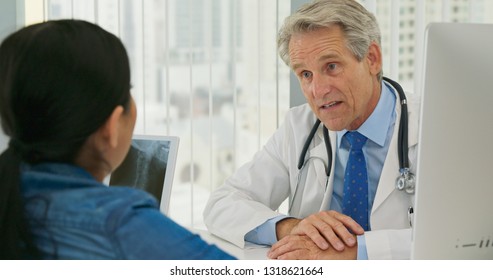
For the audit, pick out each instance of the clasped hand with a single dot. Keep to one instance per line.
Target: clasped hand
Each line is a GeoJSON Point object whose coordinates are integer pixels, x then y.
{"type": "Point", "coordinates": [324, 235]}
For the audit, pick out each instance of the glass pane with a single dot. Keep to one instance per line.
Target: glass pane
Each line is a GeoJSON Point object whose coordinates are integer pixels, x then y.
{"type": "Point", "coordinates": [204, 70]}
{"type": "Point", "coordinates": [208, 72]}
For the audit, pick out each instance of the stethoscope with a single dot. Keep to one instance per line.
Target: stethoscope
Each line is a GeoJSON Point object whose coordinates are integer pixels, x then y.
{"type": "Point", "coordinates": [406, 181]}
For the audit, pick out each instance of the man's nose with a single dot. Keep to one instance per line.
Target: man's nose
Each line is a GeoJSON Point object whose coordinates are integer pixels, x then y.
{"type": "Point", "coordinates": [321, 86]}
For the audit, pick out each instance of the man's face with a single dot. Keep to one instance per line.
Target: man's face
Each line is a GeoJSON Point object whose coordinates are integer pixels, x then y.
{"type": "Point", "coordinates": [341, 91]}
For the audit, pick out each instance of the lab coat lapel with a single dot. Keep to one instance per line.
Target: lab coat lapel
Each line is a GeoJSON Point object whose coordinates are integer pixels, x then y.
{"type": "Point", "coordinates": [390, 170]}
{"type": "Point", "coordinates": [320, 151]}
{"type": "Point", "coordinates": [313, 187]}
{"type": "Point", "coordinates": [330, 186]}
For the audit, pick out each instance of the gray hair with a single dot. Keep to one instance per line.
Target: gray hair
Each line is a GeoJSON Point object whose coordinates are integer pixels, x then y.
{"type": "Point", "coordinates": [358, 25]}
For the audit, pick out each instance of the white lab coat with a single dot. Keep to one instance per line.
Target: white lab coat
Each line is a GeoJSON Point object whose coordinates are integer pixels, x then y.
{"type": "Point", "coordinates": [254, 192]}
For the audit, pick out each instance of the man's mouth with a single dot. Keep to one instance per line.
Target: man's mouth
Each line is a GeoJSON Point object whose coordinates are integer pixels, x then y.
{"type": "Point", "coordinates": [331, 104]}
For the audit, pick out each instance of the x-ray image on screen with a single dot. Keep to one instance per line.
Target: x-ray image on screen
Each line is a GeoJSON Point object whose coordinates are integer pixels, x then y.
{"type": "Point", "coordinates": [144, 166]}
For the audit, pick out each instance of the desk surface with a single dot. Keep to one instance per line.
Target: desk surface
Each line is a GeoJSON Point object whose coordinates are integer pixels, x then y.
{"type": "Point", "coordinates": [250, 252]}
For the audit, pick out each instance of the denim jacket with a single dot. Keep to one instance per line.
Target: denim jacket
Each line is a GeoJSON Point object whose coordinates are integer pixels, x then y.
{"type": "Point", "coordinates": [73, 216]}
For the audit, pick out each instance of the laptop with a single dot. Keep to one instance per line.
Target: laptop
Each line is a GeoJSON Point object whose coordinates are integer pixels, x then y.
{"type": "Point", "coordinates": [150, 166]}
{"type": "Point", "coordinates": [454, 185]}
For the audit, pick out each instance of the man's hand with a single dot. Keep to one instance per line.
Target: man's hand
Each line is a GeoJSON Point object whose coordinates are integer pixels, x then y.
{"type": "Point", "coordinates": [324, 228]}
{"type": "Point", "coordinates": [301, 247]}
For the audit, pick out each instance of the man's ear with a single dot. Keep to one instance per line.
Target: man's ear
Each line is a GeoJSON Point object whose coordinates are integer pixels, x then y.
{"type": "Point", "coordinates": [109, 131]}
{"type": "Point", "coordinates": [374, 58]}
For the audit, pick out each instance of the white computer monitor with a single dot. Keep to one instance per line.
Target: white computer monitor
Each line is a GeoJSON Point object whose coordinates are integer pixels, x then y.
{"type": "Point", "coordinates": [150, 166]}
{"type": "Point", "coordinates": [454, 191]}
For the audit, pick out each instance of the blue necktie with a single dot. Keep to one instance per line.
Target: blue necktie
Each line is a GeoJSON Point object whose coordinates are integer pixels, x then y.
{"type": "Point", "coordinates": [355, 197]}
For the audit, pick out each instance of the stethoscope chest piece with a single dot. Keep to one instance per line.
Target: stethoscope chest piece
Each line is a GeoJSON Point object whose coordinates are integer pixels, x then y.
{"type": "Point", "coordinates": [406, 182]}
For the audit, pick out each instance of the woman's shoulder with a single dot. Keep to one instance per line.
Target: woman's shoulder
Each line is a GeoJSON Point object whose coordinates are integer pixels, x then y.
{"type": "Point", "coordinates": [116, 196]}
{"type": "Point", "coordinates": [68, 182]}
{"type": "Point", "coordinates": [81, 200]}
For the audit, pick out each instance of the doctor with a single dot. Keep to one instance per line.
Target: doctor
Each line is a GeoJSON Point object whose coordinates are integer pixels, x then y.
{"type": "Point", "coordinates": [333, 47]}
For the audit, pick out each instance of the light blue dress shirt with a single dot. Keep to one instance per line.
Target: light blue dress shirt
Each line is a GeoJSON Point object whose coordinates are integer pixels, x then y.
{"type": "Point", "coordinates": [378, 128]}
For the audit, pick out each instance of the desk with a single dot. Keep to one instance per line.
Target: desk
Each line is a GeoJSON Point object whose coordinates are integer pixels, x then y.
{"type": "Point", "coordinates": [250, 252]}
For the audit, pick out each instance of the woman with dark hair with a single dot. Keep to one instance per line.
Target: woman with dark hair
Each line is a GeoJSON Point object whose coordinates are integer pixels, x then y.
{"type": "Point", "coordinates": [65, 103]}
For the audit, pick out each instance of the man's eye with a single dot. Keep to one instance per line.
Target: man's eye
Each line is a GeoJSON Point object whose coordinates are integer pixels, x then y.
{"type": "Point", "coordinates": [332, 66]}
{"type": "Point", "coordinates": [306, 74]}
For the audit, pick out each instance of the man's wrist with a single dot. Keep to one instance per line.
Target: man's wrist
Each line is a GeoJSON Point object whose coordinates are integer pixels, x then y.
{"type": "Point", "coordinates": [284, 227]}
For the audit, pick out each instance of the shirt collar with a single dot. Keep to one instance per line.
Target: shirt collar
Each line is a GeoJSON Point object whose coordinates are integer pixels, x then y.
{"type": "Point", "coordinates": [375, 128]}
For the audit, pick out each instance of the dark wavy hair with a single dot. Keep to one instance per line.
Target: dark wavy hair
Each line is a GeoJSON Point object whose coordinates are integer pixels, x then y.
{"type": "Point", "coordinates": [59, 82]}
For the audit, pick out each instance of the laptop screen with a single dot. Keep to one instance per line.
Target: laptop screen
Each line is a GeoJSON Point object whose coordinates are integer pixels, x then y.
{"type": "Point", "coordinates": [150, 166]}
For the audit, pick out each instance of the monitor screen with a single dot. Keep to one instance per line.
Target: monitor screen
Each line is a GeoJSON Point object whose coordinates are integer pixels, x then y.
{"type": "Point", "coordinates": [453, 181]}
{"type": "Point", "coordinates": [150, 166]}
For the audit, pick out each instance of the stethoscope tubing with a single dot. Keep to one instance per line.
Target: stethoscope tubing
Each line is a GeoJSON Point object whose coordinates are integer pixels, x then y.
{"type": "Point", "coordinates": [402, 140]}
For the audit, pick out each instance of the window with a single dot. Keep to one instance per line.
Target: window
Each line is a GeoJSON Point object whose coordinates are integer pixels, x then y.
{"type": "Point", "coordinates": [208, 72]}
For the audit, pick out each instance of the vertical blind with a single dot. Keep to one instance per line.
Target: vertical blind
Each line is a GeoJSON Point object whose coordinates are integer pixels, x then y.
{"type": "Point", "coordinates": [208, 72]}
